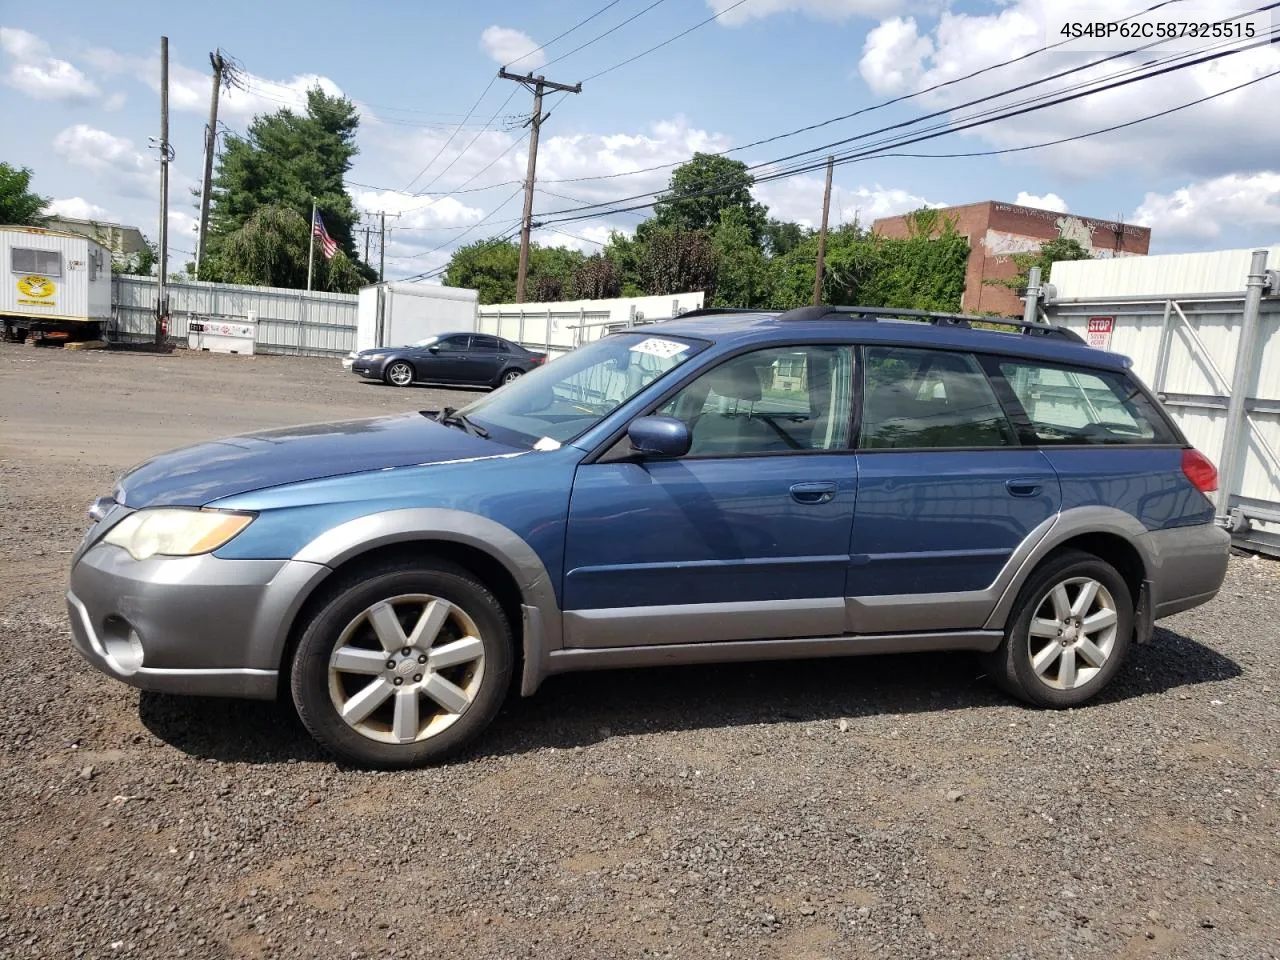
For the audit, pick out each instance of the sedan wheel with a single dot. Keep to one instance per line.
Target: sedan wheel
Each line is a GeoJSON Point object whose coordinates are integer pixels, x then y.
{"type": "Point", "coordinates": [512, 375]}
{"type": "Point", "coordinates": [399, 374]}
{"type": "Point", "coordinates": [404, 665]}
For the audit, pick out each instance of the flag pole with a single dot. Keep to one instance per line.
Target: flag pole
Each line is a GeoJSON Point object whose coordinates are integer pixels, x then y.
{"type": "Point", "coordinates": [311, 247]}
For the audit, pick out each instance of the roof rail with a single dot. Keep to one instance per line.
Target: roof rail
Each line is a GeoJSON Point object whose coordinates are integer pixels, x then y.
{"type": "Point", "coordinates": [961, 320]}
{"type": "Point", "coordinates": [719, 311]}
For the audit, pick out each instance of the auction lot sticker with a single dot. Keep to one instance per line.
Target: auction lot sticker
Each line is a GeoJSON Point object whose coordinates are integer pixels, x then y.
{"type": "Point", "coordinates": [658, 347]}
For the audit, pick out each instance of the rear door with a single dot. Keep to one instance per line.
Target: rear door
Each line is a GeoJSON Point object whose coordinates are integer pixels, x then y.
{"type": "Point", "coordinates": [946, 493]}
{"type": "Point", "coordinates": [485, 359]}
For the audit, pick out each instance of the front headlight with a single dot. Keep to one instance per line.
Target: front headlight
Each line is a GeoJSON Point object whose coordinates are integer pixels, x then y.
{"type": "Point", "coordinates": [374, 357]}
{"type": "Point", "coordinates": [175, 533]}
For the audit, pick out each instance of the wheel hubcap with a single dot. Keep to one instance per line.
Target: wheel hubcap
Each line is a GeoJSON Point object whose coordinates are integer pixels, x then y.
{"type": "Point", "coordinates": [400, 375]}
{"type": "Point", "coordinates": [405, 669]}
{"type": "Point", "coordinates": [513, 375]}
{"type": "Point", "coordinates": [1072, 633]}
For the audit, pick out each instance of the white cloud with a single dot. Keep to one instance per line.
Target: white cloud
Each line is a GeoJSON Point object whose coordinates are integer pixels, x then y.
{"type": "Point", "coordinates": [800, 199]}
{"type": "Point", "coordinates": [1205, 210]}
{"type": "Point", "coordinates": [114, 102]}
{"type": "Point", "coordinates": [115, 159]}
{"type": "Point", "coordinates": [506, 46]}
{"type": "Point", "coordinates": [1217, 137]}
{"type": "Point", "coordinates": [39, 75]}
{"type": "Point", "coordinates": [417, 213]}
{"type": "Point", "coordinates": [78, 208]}
{"type": "Point", "coordinates": [834, 10]}
{"type": "Point", "coordinates": [586, 239]}
{"type": "Point", "coordinates": [1049, 201]}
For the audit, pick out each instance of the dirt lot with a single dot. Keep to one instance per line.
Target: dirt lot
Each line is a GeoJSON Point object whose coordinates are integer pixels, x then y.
{"type": "Point", "coordinates": [888, 807]}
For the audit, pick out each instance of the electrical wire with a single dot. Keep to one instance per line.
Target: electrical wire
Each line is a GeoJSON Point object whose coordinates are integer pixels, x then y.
{"type": "Point", "coordinates": [595, 39]}
{"type": "Point", "coordinates": [449, 166]}
{"type": "Point", "coordinates": [483, 94]}
{"type": "Point", "coordinates": [659, 46]}
{"type": "Point", "coordinates": [561, 36]}
{"type": "Point", "coordinates": [475, 226]}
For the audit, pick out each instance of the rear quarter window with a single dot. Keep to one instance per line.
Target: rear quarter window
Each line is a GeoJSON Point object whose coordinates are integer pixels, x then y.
{"type": "Point", "coordinates": [1067, 405]}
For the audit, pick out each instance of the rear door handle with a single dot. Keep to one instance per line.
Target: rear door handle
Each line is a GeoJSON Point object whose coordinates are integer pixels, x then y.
{"type": "Point", "coordinates": [1024, 487]}
{"type": "Point", "coordinates": [818, 491]}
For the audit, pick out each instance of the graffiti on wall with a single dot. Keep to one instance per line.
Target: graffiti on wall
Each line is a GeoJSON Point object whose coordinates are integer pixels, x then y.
{"type": "Point", "coordinates": [1001, 243]}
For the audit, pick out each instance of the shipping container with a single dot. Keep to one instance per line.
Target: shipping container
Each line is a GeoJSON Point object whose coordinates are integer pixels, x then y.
{"type": "Point", "coordinates": [397, 314]}
{"type": "Point", "coordinates": [56, 285]}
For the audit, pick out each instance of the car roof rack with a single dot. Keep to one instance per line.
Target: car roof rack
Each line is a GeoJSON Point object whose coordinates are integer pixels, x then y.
{"type": "Point", "coordinates": [719, 312]}
{"type": "Point", "coordinates": [960, 320]}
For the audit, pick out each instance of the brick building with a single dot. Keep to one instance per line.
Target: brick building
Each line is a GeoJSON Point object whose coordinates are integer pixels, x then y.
{"type": "Point", "coordinates": [996, 231]}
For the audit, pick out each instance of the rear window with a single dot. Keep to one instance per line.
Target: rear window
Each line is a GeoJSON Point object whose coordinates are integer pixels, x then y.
{"type": "Point", "coordinates": [44, 263]}
{"type": "Point", "coordinates": [1071, 406]}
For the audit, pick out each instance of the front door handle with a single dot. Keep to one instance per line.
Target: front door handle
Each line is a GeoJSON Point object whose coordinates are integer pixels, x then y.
{"type": "Point", "coordinates": [1024, 488]}
{"type": "Point", "coordinates": [818, 491]}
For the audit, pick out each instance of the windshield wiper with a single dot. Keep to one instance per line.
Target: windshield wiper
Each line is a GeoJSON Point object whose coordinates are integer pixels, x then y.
{"type": "Point", "coordinates": [450, 417]}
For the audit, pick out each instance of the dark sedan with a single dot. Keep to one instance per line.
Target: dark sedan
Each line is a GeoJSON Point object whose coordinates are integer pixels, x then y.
{"type": "Point", "coordinates": [465, 358]}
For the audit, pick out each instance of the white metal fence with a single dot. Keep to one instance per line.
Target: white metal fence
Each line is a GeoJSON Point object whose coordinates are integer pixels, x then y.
{"type": "Point", "coordinates": [559, 327]}
{"type": "Point", "coordinates": [1211, 350]}
{"type": "Point", "coordinates": [288, 321]}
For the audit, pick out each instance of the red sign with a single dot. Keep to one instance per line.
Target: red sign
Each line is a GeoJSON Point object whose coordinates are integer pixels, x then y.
{"type": "Point", "coordinates": [1099, 332]}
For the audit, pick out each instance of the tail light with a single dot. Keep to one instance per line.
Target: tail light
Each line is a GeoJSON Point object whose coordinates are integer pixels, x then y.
{"type": "Point", "coordinates": [1199, 470]}
{"type": "Point", "coordinates": [538, 359]}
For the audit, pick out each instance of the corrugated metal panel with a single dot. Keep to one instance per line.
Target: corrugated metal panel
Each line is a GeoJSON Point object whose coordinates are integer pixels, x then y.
{"type": "Point", "coordinates": [66, 295]}
{"type": "Point", "coordinates": [1167, 274]}
{"type": "Point", "coordinates": [289, 321]}
{"type": "Point", "coordinates": [559, 327]}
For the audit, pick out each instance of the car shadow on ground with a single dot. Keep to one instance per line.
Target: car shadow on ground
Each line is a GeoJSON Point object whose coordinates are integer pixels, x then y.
{"type": "Point", "coordinates": [581, 709]}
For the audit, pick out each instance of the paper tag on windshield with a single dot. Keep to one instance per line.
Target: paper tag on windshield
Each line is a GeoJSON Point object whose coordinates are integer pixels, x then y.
{"type": "Point", "coordinates": [658, 347]}
{"type": "Point", "coordinates": [546, 443]}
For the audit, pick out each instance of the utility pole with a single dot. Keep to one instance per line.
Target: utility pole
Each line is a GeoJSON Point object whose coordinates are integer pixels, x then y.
{"type": "Point", "coordinates": [366, 242]}
{"type": "Point", "coordinates": [210, 139]}
{"type": "Point", "coordinates": [382, 245]}
{"type": "Point", "coordinates": [537, 86]}
{"type": "Point", "coordinates": [822, 234]}
{"type": "Point", "coordinates": [162, 296]}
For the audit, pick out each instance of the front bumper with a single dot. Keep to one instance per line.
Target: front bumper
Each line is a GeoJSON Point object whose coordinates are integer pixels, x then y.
{"type": "Point", "coordinates": [366, 368]}
{"type": "Point", "coordinates": [191, 625]}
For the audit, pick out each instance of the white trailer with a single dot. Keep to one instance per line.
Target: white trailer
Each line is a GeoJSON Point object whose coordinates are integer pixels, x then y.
{"type": "Point", "coordinates": [56, 285]}
{"type": "Point", "coordinates": [397, 314]}
{"type": "Point", "coordinates": [1203, 330]}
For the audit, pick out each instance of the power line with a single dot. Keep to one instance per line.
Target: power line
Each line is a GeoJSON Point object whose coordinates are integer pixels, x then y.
{"type": "Point", "coordinates": [659, 46]}
{"type": "Point", "coordinates": [475, 226]}
{"type": "Point", "coordinates": [863, 110]}
{"type": "Point", "coordinates": [561, 36]}
{"type": "Point", "coordinates": [598, 37]}
{"type": "Point", "coordinates": [1038, 103]}
{"type": "Point", "coordinates": [462, 152]}
{"type": "Point", "coordinates": [483, 94]}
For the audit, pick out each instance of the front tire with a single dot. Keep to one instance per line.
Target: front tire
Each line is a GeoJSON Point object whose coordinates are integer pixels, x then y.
{"type": "Point", "coordinates": [1069, 632]}
{"type": "Point", "coordinates": [399, 373]}
{"type": "Point", "coordinates": [402, 666]}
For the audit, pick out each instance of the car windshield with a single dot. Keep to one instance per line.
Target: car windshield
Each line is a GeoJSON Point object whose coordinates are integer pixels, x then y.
{"type": "Point", "coordinates": [562, 399]}
{"type": "Point", "coordinates": [424, 342]}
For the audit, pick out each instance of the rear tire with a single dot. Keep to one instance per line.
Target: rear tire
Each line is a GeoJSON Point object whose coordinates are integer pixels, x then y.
{"type": "Point", "coordinates": [403, 665]}
{"type": "Point", "coordinates": [398, 374]}
{"type": "Point", "coordinates": [507, 376]}
{"type": "Point", "coordinates": [1069, 632]}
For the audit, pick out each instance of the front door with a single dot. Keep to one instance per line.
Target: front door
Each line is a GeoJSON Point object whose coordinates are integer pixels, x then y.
{"type": "Point", "coordinates": [946, 496]}
{"type": "Point", "coordinates": [445, 360]}
{"type": "Point", "coordinates": [745, 537]}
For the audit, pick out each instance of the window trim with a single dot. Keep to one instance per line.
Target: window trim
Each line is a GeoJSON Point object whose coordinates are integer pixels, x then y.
{"type": "Point", "coordinates": [604, 453]}
{"type": "Point", "coordinates": [35, 272]}
{"type": "Point", "coordinates": [856, 437]}
{"type": "Point", "coordinates": [1023, 422]}
{"type": "Point", "coordinates": [478, 338]}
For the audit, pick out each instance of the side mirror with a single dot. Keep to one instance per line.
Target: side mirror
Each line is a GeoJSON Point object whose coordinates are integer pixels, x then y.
{"type": "Point", "coordinates": [434, 348]}
{"type": "Point", "coordinates": [660, 436]}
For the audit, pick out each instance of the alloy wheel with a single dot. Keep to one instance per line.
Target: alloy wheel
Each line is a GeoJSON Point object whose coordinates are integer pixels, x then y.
{"type": "Point", "coordinates": [405, 669]}
{"type": "Point", "coordinates": [1072, 633]}
{"type": "Point", "coordinates": [401, 374]}
{"type": "Point", "coordinates": [511, 375]}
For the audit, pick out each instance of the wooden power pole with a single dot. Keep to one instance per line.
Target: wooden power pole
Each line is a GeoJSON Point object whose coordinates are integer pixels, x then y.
{"type": "Point", "coordinates": [822, 234]}
{"type": "Point", "coordinates": [162, 297]}
{"type": "Point", "coordinates": [210, 140]}
{"type": "Point", "coordinates": [537, 86]}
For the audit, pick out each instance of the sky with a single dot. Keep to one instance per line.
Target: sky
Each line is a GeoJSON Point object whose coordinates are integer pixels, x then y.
{"type": "Point", "coordinates": [441, 138]}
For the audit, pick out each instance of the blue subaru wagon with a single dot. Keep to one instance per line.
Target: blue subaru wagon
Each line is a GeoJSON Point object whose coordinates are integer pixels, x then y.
{"type": "Point", "coordinates": [725, 486]}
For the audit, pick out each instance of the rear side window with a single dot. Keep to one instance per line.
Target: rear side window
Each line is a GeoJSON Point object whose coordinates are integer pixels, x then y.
{"type": "Point", "coordinates": [44, 263]}
{"type": "Point", "coordinates": [1069, 406]}
{"type": "Point", "coordinates": [915, 398]}
{"type": "Point", "coordinates": [484, 345]}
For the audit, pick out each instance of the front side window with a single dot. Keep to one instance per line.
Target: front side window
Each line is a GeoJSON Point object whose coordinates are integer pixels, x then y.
{"type": "Point", "coordinates": [1066, 406]}
{"type": "Point", "coordinates": [914, 398]}
{"type": "Point", "coordinates": [770, 401]}
{"type": "Point", "coordinates": [44, 263]}
{"type": "Point", "coordinates": [564, 398]}
{"type": "Point", "coordinates": [454, 344]}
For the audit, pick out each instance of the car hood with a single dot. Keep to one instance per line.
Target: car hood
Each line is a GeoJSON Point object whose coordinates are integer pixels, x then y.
{"type": "Point", "coordinates": [194, 476]}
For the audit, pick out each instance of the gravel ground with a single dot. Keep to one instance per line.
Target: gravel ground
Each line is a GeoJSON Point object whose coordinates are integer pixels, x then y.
{"type": "Point", "coordinates": [880, 807]}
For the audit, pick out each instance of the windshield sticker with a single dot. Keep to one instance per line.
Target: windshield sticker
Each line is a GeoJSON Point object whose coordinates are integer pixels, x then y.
{"type": "Point", "coordinates": [658, 347]}
{"type": "Point", "coordinates": [546, 443]}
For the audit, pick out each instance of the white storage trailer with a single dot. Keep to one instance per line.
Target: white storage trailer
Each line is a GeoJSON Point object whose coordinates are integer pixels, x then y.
{"type": "Point", "coordinates": [397, 314]}
{"type": "Point", "coordinates": [1203, 331]}
{"type": "Point", "coordinates": [56, 285]}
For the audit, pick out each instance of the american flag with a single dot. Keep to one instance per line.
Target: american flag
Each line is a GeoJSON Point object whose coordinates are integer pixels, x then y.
{"type": "Point", "coordinates": [327, 243]}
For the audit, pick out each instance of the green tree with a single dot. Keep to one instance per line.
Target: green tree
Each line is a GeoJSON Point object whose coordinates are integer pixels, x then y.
{"type": "Point", "coordinates": [140, 263]}
{"type": "Point", "coordinates": [284, 161]}
{"type": "Point", "coordinates": [19, 207]}
{"type": "Point", "coordinates": [271, 250]}
{"type": "Point", "coordinates": [596, 278]}
{"type": "Point", "coordinates": [626, 254]}
{"type": "Point", "coordinates": [487, 266]}
{"type": "Point", "coordinates": [782, 236]}
{"type": "Point", "coordinates": [1050, 252]}
{"type": "Point", "coordinates": [678, 261]}
{"type": "Point", "coordinates": [742, 278]}
{"type": "Point", "coordinates": [702, 188]}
